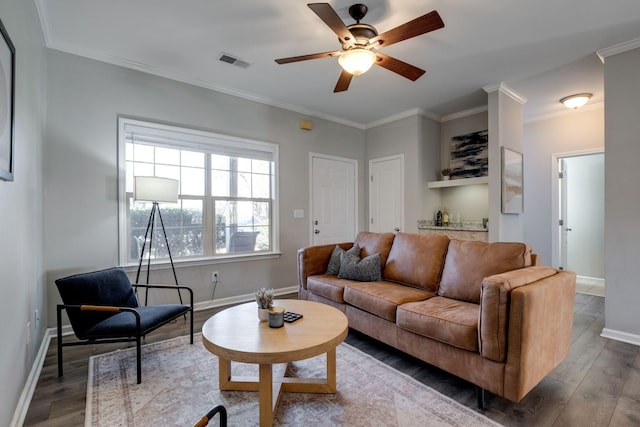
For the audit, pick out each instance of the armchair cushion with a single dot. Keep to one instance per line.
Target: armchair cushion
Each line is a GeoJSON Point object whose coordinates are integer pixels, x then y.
{"type": "Point", "coordinates": [106, 287]}
{"type": "Point", "coordinates": [124, 324]}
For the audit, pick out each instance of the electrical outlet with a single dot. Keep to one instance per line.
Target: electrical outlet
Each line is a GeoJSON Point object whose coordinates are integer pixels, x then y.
{"type": "Point", "coordinates": [215, 276]}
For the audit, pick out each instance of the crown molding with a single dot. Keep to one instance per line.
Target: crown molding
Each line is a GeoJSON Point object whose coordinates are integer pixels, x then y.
{"type": "Point", "coordinates": [503, 88]}
{"type": "Point", "coordinates": [618, 48]}
{"type": "Point", "coordinates": [464, 113]}
{"type": "Point", "coordinates": [409, 113]}
{"type": "Point", "coordinates": [564, 112]}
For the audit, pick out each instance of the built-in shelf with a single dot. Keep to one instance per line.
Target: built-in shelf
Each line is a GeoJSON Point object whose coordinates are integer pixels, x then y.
{"type": "Point", "coordinates": [458, 182]}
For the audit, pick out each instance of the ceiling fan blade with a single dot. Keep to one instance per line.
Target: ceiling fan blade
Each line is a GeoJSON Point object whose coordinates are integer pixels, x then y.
{"type": "Point", "coordinates": [333, 21]}
{"type": "Point", "coordinates": [307, 57]}
{"type": "Point", "coordinates": [424, 24]}
{"type": "Point", "coordinates": [343, 82]}
{"type": "Point", "coordinates": [392, 64]}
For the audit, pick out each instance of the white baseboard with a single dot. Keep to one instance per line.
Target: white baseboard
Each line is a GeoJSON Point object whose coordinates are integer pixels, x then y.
{"type": "Point", "coordinates": [595, 281]}
{"type": "Point", "coordinates": [621, 336]}
{"type": "Point", "coordinates": [20, 413]}
{"type": "Point", "coordinates": [27, 392]}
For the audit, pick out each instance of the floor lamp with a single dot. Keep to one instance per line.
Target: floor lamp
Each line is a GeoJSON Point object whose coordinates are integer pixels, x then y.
{"type": "Point", "coordinates": [155, 189]}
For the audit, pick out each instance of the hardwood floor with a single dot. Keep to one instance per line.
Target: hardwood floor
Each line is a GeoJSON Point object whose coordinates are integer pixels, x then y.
{"type": "Point", "coordinates": [598, 384]}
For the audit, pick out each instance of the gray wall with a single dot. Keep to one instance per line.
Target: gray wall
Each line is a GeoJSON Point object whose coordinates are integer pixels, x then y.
{"type": "Point", "coordinates": [622, 194]}
{"type": "Point", "coordinates": [471, 202]}
{"type": "Point", "coordinates": [573, 132]}
{"type": "Point", "coordinates": [81, 226]}
{"type": "Point", "coordinates": [21, 211]}
{"type": "Point", "coordinates": [418, 139]}
{"type": "Point", "coordinates": [505, 129]}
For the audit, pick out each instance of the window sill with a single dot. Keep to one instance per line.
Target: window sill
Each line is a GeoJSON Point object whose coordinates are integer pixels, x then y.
{"type": "Point", "coordinates": [194, 262]}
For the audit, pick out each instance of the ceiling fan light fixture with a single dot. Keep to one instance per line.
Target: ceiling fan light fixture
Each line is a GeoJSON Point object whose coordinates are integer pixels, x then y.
{"type": "Point", "coordinates": [576, 101]}
{"type": "Point", "coordinates": [357, 61]}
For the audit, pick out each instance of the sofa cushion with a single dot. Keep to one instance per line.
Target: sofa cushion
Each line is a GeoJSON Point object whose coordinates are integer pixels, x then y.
{"type": "Point", "coordinates": [375, 243]}
{"type": "Point", "coordinates": [334, 262]}
{"type": "Point", "coordinates": [382, 298]}
{"type": "Point", "coordinates": [365, 270]}
{"type": "Point", "coordinates": [327, 286]}
{"type": "Point", "coordinates": [467, 263]}
{"type": "Point", "coordinates": [446, 320]}
{"type": "Point", "coordinates": [417, 260]}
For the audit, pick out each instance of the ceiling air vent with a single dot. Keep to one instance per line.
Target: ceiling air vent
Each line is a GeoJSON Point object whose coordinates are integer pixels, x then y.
{"type": "Point", "coordinates": [229, 59]}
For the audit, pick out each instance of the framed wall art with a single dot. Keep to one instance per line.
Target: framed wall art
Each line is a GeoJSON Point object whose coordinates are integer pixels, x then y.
{"type": "Point", "coordinates": [512, 179]}
{"type": "Point", "coordinates": [7, 95]}
{"type": "Point", "coordinates": [470, 155]}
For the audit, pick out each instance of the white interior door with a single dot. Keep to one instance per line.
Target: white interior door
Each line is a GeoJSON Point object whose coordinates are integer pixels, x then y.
{"type": "Point", "coordinates": [386, 194]}
{"type": "Point", "coordinates": [333, 199]}
{"type": "Point", "coordinates": [582, 215]}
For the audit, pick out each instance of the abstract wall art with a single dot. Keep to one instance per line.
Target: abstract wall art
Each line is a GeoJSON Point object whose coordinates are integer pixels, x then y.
{"type": "Point", "coordinates": [470, 155]}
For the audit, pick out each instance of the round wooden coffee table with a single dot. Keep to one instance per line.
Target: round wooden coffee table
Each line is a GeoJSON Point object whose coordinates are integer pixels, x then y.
{"type": "Point", "coordinates": [236, 334]}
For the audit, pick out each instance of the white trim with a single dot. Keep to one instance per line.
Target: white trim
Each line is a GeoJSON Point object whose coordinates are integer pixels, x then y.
{"type": "Point", "coordinates": [356, 185]}
{"type": "Point", "coordinates": [464, 113]}
{"type": "Point", "coordinates": [564, 112]}
{"type": "Point", "coordinates": [618, 48]}
{"type": "Point", "coordinates": [22, 408]}
{"type": "Point", "coordinates": [502, 87]}
{"type": "Point", "coordinates": [555, 202]}
{"type": "Point", "coordinates": [620, 336]}
{"type": "Point", "coordinates": [409, 113]}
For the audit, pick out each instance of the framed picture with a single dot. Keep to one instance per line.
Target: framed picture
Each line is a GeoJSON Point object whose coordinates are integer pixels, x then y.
{"type": "Point", "coordinates": [470, 155]}
{"type": "Point", "coordinates": [512, 195]}
{"type": "Point", "coordinates": [7, 94]}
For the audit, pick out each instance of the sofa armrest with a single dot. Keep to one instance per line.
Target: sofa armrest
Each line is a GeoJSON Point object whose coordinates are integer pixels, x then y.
{"type": "Point", "coordinates": [539, 336]}
{"type": "Point", "coordinates": [494, 307]}
{"type": "Point", "coordinates": [314, 260]}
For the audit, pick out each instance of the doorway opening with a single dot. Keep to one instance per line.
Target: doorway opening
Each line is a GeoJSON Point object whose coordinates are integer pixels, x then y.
{"type": "Point", "coordinates": [580, 219]}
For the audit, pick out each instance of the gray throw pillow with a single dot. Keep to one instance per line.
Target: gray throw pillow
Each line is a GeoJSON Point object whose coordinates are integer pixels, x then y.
{"type": "Point", "coordinates": [365, 270]}
{"type": "Point", "coordinates": [334, 262]}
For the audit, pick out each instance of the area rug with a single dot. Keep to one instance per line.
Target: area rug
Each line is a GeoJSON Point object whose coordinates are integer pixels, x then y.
{"type": "Point", "coordinates": [180, 385]}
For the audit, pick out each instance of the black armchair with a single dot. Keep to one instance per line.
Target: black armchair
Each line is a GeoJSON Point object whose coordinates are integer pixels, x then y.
{"type": "Point", "coordinates": [204, 421]}
{"type": "Point", "coordinates": [102, 308]}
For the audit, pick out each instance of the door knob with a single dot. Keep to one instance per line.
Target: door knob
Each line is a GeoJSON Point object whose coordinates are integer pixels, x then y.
{"type": "Point", "coordinates": [396, 229]}
{"type": "Point", "coordinates": [317, 231]}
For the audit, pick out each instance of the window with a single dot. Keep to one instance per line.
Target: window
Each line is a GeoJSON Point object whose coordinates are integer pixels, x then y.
{"type": "Point", "coordinates": [226, 203]}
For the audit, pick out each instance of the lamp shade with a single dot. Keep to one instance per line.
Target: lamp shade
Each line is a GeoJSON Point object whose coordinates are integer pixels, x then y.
{"type": "Point", "coordinates": [357, 60]}
{"type": "Point", "coordinates": [155, 189]}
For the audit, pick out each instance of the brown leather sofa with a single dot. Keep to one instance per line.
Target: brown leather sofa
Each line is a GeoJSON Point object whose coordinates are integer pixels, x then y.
{"type": "Point", "coordinates": [485, 312]}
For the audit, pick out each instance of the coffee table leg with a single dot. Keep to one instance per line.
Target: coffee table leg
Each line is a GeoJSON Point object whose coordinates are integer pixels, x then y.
{"type": "Point", "coordinates": [265, 390]}
{"type": "Point", "coordinates": [331, 370]}
{"type": "Point", "coordinates": [224, 373]}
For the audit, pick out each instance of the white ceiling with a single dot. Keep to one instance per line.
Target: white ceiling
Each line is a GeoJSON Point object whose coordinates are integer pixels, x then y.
{"type": "Point", "coordinates": [542, 49]}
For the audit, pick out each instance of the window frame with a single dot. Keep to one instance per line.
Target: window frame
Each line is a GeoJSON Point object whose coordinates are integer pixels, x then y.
{"type": "Point", "coordinates": [204, 141]}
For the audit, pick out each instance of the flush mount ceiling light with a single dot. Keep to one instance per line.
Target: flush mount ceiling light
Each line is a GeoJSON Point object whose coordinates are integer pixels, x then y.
{"type": "Point", "coordinates": [357, 61]}
{"type": "Point", "coordinates": [576, 101]}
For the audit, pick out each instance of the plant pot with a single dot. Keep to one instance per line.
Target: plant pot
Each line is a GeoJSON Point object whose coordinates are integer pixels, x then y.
{"type": "Point", "coordinates": [445, 177]}
{"type": "Point", "coordinates": [263, 314]}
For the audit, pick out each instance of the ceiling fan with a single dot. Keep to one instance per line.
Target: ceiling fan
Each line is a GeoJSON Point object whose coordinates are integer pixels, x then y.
{"type": "Point", "coordinates": [360, 43]}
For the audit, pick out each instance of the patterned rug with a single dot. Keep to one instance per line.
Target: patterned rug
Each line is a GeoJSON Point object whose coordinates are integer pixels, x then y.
{"type": "Point", "coordinates": [180, 384]}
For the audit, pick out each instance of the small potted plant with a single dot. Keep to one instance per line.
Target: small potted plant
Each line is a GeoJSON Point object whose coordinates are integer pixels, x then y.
{"type": "Point", "coordinates": [446, 172]}
{"type": "Point", "coordinates": [264, 299]}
